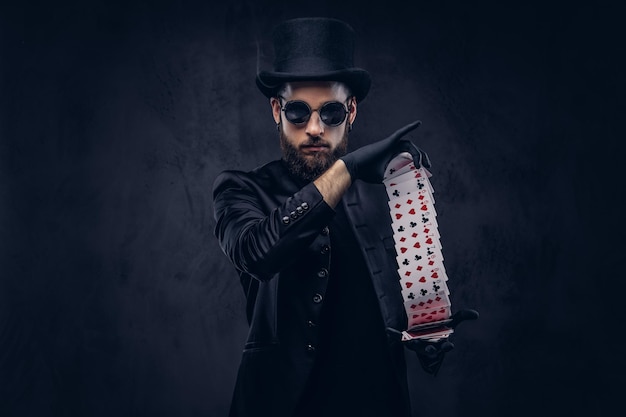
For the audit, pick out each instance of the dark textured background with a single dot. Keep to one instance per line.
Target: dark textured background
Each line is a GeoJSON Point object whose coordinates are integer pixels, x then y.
{"type": "Point", "coordinates": [117, 116]}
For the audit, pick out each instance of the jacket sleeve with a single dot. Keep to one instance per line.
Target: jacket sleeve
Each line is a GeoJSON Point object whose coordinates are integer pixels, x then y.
{"type": "Point", "coordinates": [259, 239]}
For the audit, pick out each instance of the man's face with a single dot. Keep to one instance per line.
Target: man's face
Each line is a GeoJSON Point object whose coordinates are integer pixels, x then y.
{"type": "Point", "coordinates": [312, 147]}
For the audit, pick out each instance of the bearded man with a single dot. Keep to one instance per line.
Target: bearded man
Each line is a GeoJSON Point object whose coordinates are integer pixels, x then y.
{"type": "Point", "coordinates": [310, 236]}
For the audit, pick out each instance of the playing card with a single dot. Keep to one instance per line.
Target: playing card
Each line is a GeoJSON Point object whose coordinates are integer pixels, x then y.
{"type": "Point", "coordinates": [399, 164]}
{"type": "Point", "coordinates": [432, 334]}
{"type": "Point", "coordinates": [428, 315]}
{"type": "Point", "coordinates": [435, 300]}
{"type": "Point", "coordinates": [421, 285]}
{"type": "Point", "coordinates": [411, 178]}
{"type": "Point", "coordinates": [416, 239]}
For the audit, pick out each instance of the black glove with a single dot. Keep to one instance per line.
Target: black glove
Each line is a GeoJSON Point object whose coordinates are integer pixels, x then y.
{"type": "Point", "coordinates": [431, 354]}
{"type": "Point", "coordinates": [368, 163]}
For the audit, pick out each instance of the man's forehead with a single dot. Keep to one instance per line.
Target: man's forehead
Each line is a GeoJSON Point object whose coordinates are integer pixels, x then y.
{"type": "Point", "coordinates": [334, 88]}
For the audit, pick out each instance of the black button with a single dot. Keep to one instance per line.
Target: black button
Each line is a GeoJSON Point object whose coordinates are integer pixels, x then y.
{"type": "Point", "coordinates": [299, 210]}
{"type": "Point", "coordinates": [293, 215]}
{"type": "Point", "coordinates": [325, 249]}
{"type": "Point", "coordinates": [310, 348]}
{"type": "Point", "coordinates": [322, 273]}
{"type": "Point", "coordinates": [309, 323]}
{"type": "Point", "coordinates": [325, 231]}
{"type": "Point", "coordinates": [286, 219]}
{"type": "Point", "coordinates": [304, 206]}
{"type": "Point", "coordinates": [317, 298]}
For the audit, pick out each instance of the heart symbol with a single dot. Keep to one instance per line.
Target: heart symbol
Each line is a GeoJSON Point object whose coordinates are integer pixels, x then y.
{"type": "Point", "coordinates": [403, 250]}
{"type": "Point", "coordinates": [424, 208]}
{"type": "Point", "coordinates": [434, 275]}
{"type": "Point", "coordinates": [422, 279]}
{"type": "Point", "coordinates": [398, 215]}
{"type": "Point", "coordinates": [426, 230]}
{"type": "Point", "coordinates": [429, 241]}
{"type": "Point", "coordinates": [408, 284]}
{"type": "Point", "coordinates": [421, 197]}
{"type": "Point", "coordinates": [412, 211]}
{"type": "Point", "coordinates": [417, 245]}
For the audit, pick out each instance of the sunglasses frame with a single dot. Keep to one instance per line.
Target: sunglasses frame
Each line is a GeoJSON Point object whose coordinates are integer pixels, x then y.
{"type": "Point", "coordinates": [308, 117]}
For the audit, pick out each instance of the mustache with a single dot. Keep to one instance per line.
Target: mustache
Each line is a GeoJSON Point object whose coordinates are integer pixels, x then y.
{"type": "Point", "coordinates": [316, 141]}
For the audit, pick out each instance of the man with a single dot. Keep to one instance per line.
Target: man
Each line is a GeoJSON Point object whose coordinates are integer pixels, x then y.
{"type": "Point", "coordinates": [311, 238]}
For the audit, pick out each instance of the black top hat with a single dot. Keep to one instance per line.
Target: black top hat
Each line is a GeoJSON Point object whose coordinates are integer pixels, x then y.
{"type": "Point", "coordinates": [314, 49]}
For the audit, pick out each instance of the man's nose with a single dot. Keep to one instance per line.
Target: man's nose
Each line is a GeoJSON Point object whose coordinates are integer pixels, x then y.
{"type": "Point", "coordinates": [314, 127]}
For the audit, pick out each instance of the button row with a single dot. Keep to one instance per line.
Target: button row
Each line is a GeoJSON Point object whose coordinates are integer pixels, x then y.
{"type": "Point", "coordinates": [296, 213]}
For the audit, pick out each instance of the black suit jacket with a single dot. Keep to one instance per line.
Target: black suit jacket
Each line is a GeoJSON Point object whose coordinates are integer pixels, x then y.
{"type": "Point", "coordinates": [275, 233]}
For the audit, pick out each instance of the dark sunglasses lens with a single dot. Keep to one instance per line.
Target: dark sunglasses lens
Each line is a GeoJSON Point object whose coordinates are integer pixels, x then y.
{"type": "Point", "coordinates": [333, 114]}
{"type": "Point", "coordinates": [297, 112]}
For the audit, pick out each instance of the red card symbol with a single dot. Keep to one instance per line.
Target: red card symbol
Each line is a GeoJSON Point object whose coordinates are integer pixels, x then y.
{"type": "Point", "coordinates": [403, 250]}
{"type": "Point", "coordinates": [398, 215]}
{"type": "Point", "coordinates": [424, 207]}
{"type": "Point", "coordinates": [415, 316]}
{"type": "Point", "coordinates": [412, 211]}
{"type": "Point", "coordinates": [426, 230]}
{"type": "Point", "coordinates": [414, 235]}
{"type": "Point", "coordinates": [407, 273]}
{"type": "Point", "coordinates": [431, 262]}
{"type": "Point", "coordinates": [413, 306]}
{"type": "Point", "coordinates": [422, 279]}
{"type": "Point", "coordinates": [435, 275]}
{"type": "Point", "coordinates": [409, 201]}
{"type": "Point", "coordinates": [408, 284]}
{"type": "Point", "coordinates": [419, 267]}
{"type": "Point", "coordinates": [397, 205]}
{"type": "Point", "coordinates": [402, 239]}
{"type": "Point", "coordinates": [417, 245]}
{"type": "Point", "coordinates": [421, 304]}
{"type": "Point", "coordinates": [429, 241]}
{"type": "Point", "coordinates": [421, 197]}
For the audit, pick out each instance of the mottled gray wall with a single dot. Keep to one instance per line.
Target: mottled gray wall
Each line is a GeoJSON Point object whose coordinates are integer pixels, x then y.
{"type": "Point", "coordinates": [116, 117]}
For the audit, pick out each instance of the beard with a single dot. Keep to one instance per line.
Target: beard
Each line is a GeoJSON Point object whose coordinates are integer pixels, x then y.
{"type": "Point", "coordinates": [309, 167]}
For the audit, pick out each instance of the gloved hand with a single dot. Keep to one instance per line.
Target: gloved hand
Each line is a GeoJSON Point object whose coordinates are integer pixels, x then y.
{"type": "Point", "coordinates": [368, 163]}
{"type": "Point", "coordinates": [432, 354]}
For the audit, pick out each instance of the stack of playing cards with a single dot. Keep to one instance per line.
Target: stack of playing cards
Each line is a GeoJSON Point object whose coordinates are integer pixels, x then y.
{"type": "Point", "coordinates": [420, 261]}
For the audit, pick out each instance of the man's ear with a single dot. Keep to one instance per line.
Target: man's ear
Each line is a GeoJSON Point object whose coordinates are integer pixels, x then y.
{"type": "Point", "coordinates": [275, 103]}
{"type": "Point", "coordinates": [352, 109]}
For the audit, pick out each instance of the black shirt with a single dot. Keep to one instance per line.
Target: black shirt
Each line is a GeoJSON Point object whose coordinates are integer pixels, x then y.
{"type": "Point", "coordinates": [352, 374]}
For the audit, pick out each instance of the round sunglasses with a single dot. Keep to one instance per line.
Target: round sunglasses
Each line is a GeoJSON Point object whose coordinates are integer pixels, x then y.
{"type": "Point", "coordinates": [332, 113]}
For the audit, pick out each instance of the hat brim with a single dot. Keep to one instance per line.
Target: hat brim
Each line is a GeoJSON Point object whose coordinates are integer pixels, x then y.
{"type": "Point", "coordinates": [357, 79]}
